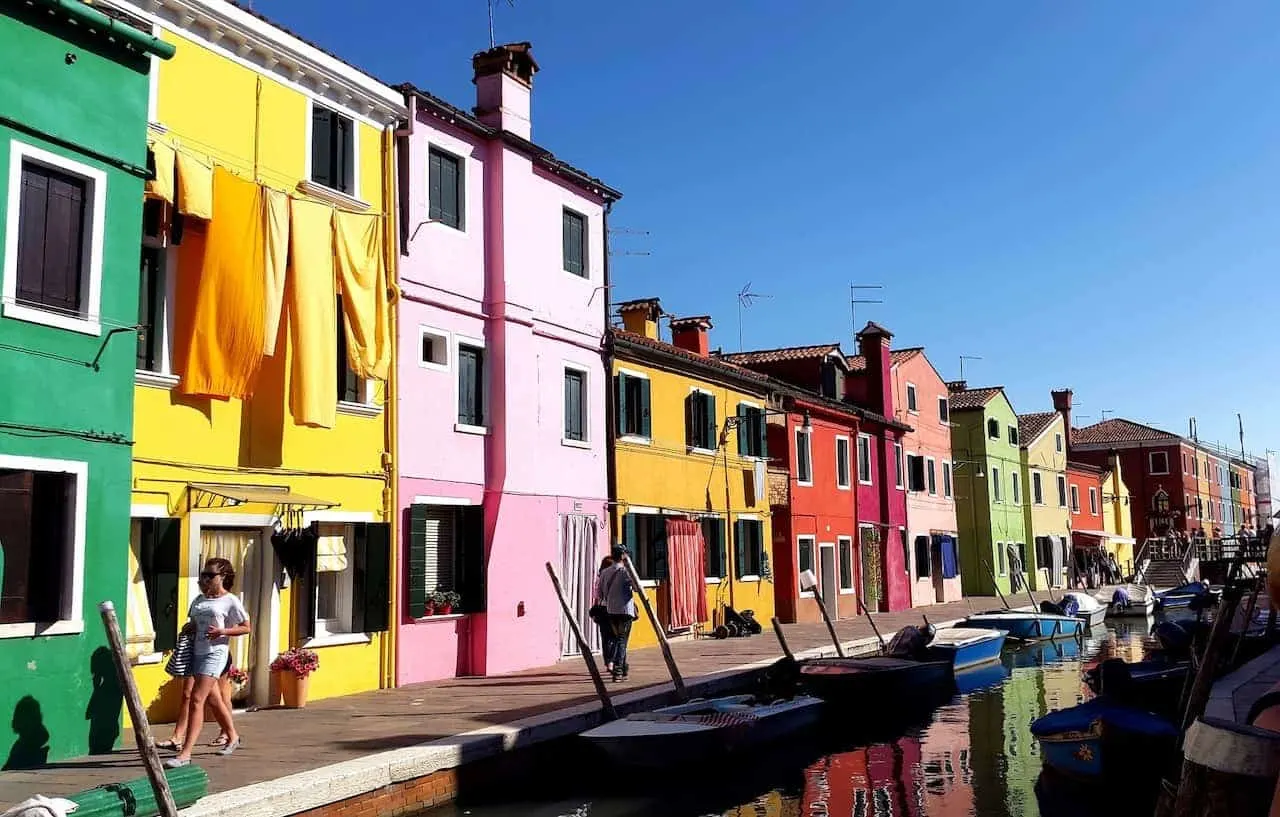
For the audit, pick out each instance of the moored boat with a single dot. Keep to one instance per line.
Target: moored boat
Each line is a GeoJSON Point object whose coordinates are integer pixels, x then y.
{"type": "Point", "coordinates": [1103, 738]}
{"type": "Point", "coordinates": [966, 646]}
{"type": "Point", "coordinates": [1127, 600]}
{"type": "Point", "coordinates": [1155, 686]}
{"type": "Point", "coordinates": [1028, 626]}
{"type": "Point", "coordinates": [887, 681]}
{"type": "Point", "coordinates": [1088, 609]}
{"type": "Point", "coordinates": [1182, 596]}
{"type": "Point", "coordinates": [698, 730]}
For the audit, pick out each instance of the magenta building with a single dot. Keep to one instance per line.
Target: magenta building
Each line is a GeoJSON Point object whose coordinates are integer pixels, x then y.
{"type": "Point", "coordinates": [501, 398]}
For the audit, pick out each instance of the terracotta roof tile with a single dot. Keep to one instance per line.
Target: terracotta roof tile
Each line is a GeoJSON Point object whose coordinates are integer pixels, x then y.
{"type": "Point", "coordinates": [964, 399]}
{"type": "Point", "coordinates": [858, 363]}
{"type": "Point", "coordinates": [781, 355]}
{"type": "Point", "coordinates": [1033, 425]}
{"type": "Point", "coordinates": [712, 360]}
{"type": "Point", "coordinates": [1119, 430]}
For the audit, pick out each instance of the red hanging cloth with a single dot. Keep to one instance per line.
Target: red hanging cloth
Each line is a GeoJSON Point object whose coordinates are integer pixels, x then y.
{"type": "Point", "coordinates": [685, 583]}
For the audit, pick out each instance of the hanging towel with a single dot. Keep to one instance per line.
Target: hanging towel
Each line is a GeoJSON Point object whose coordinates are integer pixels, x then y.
{"type": "Point", "coordinates": [161, 187]}
{"type": "Point", "coordinates": [686, 586]}
{"type": "Point", "coordinates": [362, 274]}
{"type": "Point", "coordinates": [195, 186]}
{"type": "Point", "coordinates": [949, 567]}
{"type": "Point", "coordinates": [313, 321]}
{"type": "Point", "coordinates": [226, 337]}
{"type": "Point", "coordinates": [277, 257]}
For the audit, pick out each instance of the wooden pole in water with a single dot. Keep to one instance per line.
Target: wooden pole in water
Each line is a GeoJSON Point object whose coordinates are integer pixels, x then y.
{"type": "Point", "coordinates": [682, 694]}
{"type": "Point", "coordinates": [872, 622]}
{"type": "Point", "coordinates": [1228, 771]}
{"type": "Point", "coordinates": [994, 583]}
{"type": "Point", "coordinates": [831, 628]}
{"type": "Point", "coordinates": [1199, 695]}
{"type": "Point", "coordinates": [137, 713]}
{"type": "Point", "coordinates": [1026, 584]}
{"type": "Point", "coordinates": [601, 690]}
{"type": "Point", "coordinates": [782, 640]}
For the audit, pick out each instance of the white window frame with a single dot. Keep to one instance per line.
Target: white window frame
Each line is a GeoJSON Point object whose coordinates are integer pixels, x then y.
{"type": "Point", "coordinates": [847, 485]}
{"type": "Point", "coordinates": [763, 419]}
{"type": "Point", "coordinates": [1002, 559]}
{"type": "Point", "coordinates": [899, 467]}
{"type": "Point", "coordinates": [1064, 494]}
{"type": "Point", "coordinates": [636, 439]}
{"type": "Point", "coordinates": [1037, 487]}
{"type": "Point", "coordinates": [91, 297]}
{"type": "Point", "coordinates": [804, 438]}
{"type": "Point", "coordinates": [465, 428]}
{"type": "Point", "coordinates": [997, 491]}
{"type": "Point", "coordinates": [73, 585]}
{"type": "Point", "coordinates": [1015, 486]}
{"type": "Point", "coordinates": [345, 518]}
{"type": "Point", "coordinates": [1151, 463]}
{"type": "Point", "coordinates": [931, 469]}
{"type": "Point", "coordinates": [165, 378]}
{"type": "Point", "coordinates": [694, 449]}
{"type": "Point", "coordinates": [368, 407]}
{"type": "Point", "coordinates": [752, 517]}
{"type": "Point", "coordinates": [948, 480]}
{"type": "Point", "coordinates": [1057, 442]}
{"type": "Point", "coordinates": [870, 480]}
{"type": "Point", "coordinates": [1093, 500]}
{"type": "Point", "coordinates": [344, 587]}
{"type": "Point", "coordinates": [943, 401]}
{"type": "Point", "coordinates": [1074, 499]}
{"type": "Point", "coordinates": [462, 184]}
{"type": "Point", "coordinates": [322, 191]}
{"type": "Point", "coordinates": [585, 442]}
{"type": "Point", "coordinates": [842, 590]}
{"type": "Point", "coordinates": [817, 567]}
{"type": "Point", "coordinates": [913, 396]}
{"type": "Point", "coordinates": [446, 343]}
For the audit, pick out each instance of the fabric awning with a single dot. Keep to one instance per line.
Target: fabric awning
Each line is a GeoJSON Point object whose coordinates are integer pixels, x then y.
{"type": "Point", "coordinates": [210, 495]}
{"type": "Point", "coordinates": [1101, 534]}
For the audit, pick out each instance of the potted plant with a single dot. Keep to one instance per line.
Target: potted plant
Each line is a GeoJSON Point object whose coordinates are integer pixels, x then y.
{"type": "Point", "coordinates": [449, 600]}
{"type": "Point", "coordinates": [293, 669]}
{"type": "Point", "coordinates": [239, 679]}
{"type": "Point", "coordinates": [436, 602]}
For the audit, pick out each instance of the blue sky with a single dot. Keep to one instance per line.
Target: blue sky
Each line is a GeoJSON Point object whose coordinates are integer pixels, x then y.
{"type": "Point", "coordinates": [1082, 194]}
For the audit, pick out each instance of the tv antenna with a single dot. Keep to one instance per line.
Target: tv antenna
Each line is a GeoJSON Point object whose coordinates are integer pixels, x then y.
{"type": "Point", "coordinates": [963, 358]}
{"type": "Point", "coordinates": [626, 231]}
{"type": "Point", "coordinates": [746, 299]}
{"type": "Point", "coordinates": [854, 300]}
{"type": "Point", "coordinates": [492, 41]}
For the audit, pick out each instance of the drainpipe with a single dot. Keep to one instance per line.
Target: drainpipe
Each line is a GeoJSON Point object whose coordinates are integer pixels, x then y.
{"type": "Point", "coordinates": [606, 358]}
{"type": "Point", "coordinates": [391, 409]}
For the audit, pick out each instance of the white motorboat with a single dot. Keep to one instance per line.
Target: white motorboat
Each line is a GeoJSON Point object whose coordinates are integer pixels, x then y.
{"type": "Point", "coordinates": [1141, 600]}
{"type": "Point", "coordinates": [1088, 609]}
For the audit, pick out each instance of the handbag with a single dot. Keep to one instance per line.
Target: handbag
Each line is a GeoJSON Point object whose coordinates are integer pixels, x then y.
{"type": "Point", "coordinates": [598, 613]}
{"type": "Point", "coordinates": [180, 659]}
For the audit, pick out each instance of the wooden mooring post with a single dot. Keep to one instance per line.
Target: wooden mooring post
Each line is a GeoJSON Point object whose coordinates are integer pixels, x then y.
{"type": "Point", "coordinates": [137, 713]}
{"type": "Point", "coordinates": [682, 694]}
{"type": "Point", "coordinates": [808, 581]}
{"type": "Point", "coordinates": [606, 704]}
{"type": "Point", "coordinates": [1228, 770]}
{"type": "Point", "coordinates": [995, 583]}
{"type": "Point", "coordinates": [782, 639]}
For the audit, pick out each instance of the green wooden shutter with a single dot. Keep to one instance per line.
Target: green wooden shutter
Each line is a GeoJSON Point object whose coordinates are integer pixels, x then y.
{"type": "Point", "coordinates": [160, 573]}
{"type": "Point", "coordinates": [629, 531]}
{"type": "Point", "coordinates": [620, 403]}
{"type": "Point", "coordinates": [435, 192]}
{"type": "Point", "coordinates": [710, 420]}
{"type": "Point", "coordinates": [739, 548]}
{"type": "Point", "coordinates": [744, 430]}
{"type": "Point", "coordinates": [373, 577]}
{"type": "Point", "coordinates": [304, 595]}
{"type": "Point", "coordinates": [690, 419]}
{"type": "Point", "coordinates": [416, 569]}
{"type": "Point", "coordinates": [646, 427]}
{"type": "Point", "coordinates": [713, 534]}
{"type": "Point", "coordinates": [762, 431]}
{"type": "Point", "coordinates": [658, 545]}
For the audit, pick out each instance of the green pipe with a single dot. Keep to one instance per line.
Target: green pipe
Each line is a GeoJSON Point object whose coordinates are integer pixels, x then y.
{"type": "Point", "coordinates": [135, 798]}
{"type": "Point", "coordinates": [93, 18]}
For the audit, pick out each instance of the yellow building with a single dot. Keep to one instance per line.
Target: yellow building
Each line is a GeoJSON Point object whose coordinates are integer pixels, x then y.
{"type": "Point", "coordinates": [690, 464]}
{"type": "Point", "coordinates": [1116, 518]}
{"type": "Point", "coordinates": [264, 352]}
{"type": "Point", "coordinates": [1043, 493]}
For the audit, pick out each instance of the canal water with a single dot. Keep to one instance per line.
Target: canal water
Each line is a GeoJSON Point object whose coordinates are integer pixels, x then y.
{"type": "Point", "coordinates": [973, 757]}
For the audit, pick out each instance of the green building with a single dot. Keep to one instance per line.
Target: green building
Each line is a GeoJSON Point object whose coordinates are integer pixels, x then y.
{"type": "Point", "coordinates": [989, 490]}
{"type": "Point", "coordinates": [73, 159]}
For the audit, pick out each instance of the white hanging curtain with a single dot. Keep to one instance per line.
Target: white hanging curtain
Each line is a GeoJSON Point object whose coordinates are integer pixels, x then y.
{"type": "Point", "coordinates": [579, 566]}
{"type": "Point", "coordinates": [140, 631]}
{"type": "Point", "coordinates": [240, 547]}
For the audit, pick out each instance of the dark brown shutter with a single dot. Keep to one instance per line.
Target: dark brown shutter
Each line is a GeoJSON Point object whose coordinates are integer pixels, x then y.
{"type": "Point", "coordinates": [160, 573]}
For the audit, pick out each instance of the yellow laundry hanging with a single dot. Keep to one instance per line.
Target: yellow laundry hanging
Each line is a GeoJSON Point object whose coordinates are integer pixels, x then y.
{"type": "Point", "coordinates": [226, 343]}
{"type": "Point", "coordinates": [161, 187]}
{"type": "Point", "coordinates": [277, 215]}
{"type": "Point", "coordinates": [313, 317]}
{"type": "Point", "coordinates": [362, 273]}
{"type": "Point", "coordinates": [195, 186]}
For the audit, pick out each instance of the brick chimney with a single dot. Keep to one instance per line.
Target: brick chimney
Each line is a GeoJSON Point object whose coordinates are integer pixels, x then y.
{"type": "Point", "coordinates": [504, 86]}
{"type": "Point", "coordinates": [1062, 405]}
{"type": "Point", "coordinates": [691, 334]}
{"type": "Point", "coordinates": [640, 317]}
{"type": "Point", "coordinates": [873, 345]}
{"type": "Point", "coordinates": [957, 385]}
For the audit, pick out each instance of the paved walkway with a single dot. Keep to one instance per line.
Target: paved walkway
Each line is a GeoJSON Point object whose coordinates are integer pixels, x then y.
{"type": "Point", "coordinates": [280, 742]}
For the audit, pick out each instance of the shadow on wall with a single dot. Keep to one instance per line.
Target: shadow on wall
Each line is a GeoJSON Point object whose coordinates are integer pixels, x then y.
{"type": "Point", "coordinates": [105, 702]}
{"type": "Point", "coordinates": [31, 749]}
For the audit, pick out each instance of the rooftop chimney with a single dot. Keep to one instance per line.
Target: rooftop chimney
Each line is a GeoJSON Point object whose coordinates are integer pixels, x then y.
{"type": "Point", "coordinates": [504, 84]}
{"type": "Point", "coordinates": [691, 335]}
{"type": "Point", "coordinates": [640, 317]}
{"type": "Point", "coordinates": [1062, 405]}
{"type": "Point", "coordinates": [873, 345]}
{"type": "Point", "coordinates": [957, 385]}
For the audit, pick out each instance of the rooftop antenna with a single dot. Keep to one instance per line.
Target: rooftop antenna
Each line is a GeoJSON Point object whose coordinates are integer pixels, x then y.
{"type": "Point", "coordinates": [854, 300]}
{"type": "Point", "coordinates": [746, 298]}
{"type": "Point", "coordinates": [1105, 412]}
{"type": "Point", "coordinates": [963, 358]}
{"type": "Point", "coordinates": [492, 41]}
{"type": "Point", "coordinates": [626, 231]}
{"type": "Point", "coordinates": [1240, 422]}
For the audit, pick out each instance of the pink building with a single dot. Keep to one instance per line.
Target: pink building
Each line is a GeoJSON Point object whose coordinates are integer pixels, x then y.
{"type": "Point", "coordinates": [500, 410]}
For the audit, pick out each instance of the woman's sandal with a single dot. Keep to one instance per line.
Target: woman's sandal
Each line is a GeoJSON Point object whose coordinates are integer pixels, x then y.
{"type": "Point", "coordinates": [172, 744]}
{"type": "Point", "coordinates": [220, 740]}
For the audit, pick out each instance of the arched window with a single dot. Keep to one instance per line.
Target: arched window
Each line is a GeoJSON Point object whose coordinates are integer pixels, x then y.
{"type": "Point", "coordinates": [1160, 502]}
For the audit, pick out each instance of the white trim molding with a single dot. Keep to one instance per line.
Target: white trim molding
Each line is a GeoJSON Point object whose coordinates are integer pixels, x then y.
{"type": "Point", "coordinates": [89, 322]}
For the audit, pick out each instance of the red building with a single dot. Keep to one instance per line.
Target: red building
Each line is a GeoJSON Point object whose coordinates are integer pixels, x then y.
{"type": "Point", "coordinates": [1084, 500]}
{"type": "Point", "coordinates": [879, 568]}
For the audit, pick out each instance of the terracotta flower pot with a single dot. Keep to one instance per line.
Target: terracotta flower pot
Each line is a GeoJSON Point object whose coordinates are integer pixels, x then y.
{"type": "Point", "coordinates": [444, 609]}
{"type": "Point", "coordinates": [294, 689]}
{"type": "Point", "coordinates": [431, 609]}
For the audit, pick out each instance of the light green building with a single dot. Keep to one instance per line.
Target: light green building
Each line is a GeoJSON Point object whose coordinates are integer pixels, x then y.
{"type": "Point", "coordinates": [1043, 455]}
{"type": "Point", "coordinates": [989, 489]}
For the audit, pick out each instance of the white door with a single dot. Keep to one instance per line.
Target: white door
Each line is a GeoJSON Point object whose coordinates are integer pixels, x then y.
{"type": "Point", "coordinates": [830, 585]}
{"type": "Point", "coordinates": [579, 565]}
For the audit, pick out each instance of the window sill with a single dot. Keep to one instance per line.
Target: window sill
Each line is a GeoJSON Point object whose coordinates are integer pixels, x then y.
{"type": "Point", "coordinates": [805, 594]}
{"type": "Point", "coordinates": [147, 658]}
{"type": "Point", "coordinates": [330, 195]}
{"type": "Point", "coordinates": [648, 582]}
{"type": "Point", "coordinates": [712, 579]}
{"type": "Point", "coordinates": [156, 380]}
{"type": "Point", "coordinates": [706, 452]}
{"type": "Point", "coordinates": [802, 484]}
{"type": "Point", "coordinates": [31, 314]}
{"type": "Point", "coordinates": [635, 439]}
{"type": "Point", "coordinates": [440, 617]}
{"type": "Point", "coordinates": [463, 428]}
{"type": "Point", "coordinates": [844, 487]}
{"type": "Point", "coordinates": [359, 409]}
{"type": "Point", "coordinates": [33, 630]}
{"type": "Point", "coordinates": [337, 640]}
{"type": "Point", "coordinates": [849, 592]}
{"type": "Point", "coordinates": [749, 578]}
{"type": "Point", "coordinates": [565, 441]}
{"type": "Point", "coordinates": [865, 482]}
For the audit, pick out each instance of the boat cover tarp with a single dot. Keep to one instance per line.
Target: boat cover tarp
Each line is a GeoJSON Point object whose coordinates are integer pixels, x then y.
{"type": "Point", "coordinates": [1081, 718]}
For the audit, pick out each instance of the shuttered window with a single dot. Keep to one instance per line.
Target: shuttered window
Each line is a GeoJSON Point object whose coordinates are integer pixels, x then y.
{"type": "Point", "coordinates": [471, 385]}
{"type": "Point", "coordinates": [333, 156]}
{"type": "Point", "coordinates": [631, 394]}
{"type": "Point", "coordinates": [350, 386]}
{"type": "Point", "coordinates": [805, 545]}
{"type": "Point", "coordinates": [804, 458]}
{"type": "Point", "coordinates": [446, 188]}
{"type": "Point", "coordinates": [842, 462]}
{"type": "Point", "coordinates": [574, 235]}
{"type": "Point", "coordinates": [36, 511]}
{"type": "Point", "coordinates": [864, 459]}
{"type": "Point", "coordinates": [700, 421]}
{"type": "Point", "coordinates": [52, 226]}
{"type": "Point", "coordinates": [151, 290]}
{"type": "Point", "coordinates": [575, 407]}
{"type": "Point", "coordinates": [845, 545]}
{"type": "Point", "coordinates": [645, 536]}
{"type": "Point", "coordinates": [748, 547]}
{"type": "Point", "coordinates": [752, 436]}
{"type": "Point", "coordinates": [717, 560]}
{"type": "Point", "coordinates": [446, 554]}
{"type": "Point", "coordinates": [158, 550]}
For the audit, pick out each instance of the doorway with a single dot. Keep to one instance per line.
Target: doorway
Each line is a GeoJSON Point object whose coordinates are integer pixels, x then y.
{"type": "Point", "coordinates": [827, 575]}
{"type": "Point", "coordinates": [251, 556]}
{"type": "Point", "coordinates": [869, 548]}
{"type": "Point", "coordinates": [936, 544]}
{"type": "Point", "coordinates": [579, 565]}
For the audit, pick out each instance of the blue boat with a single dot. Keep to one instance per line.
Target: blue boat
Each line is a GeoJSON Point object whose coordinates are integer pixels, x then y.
{"type": "Point", "coordinates": [1042, 653]}
{"type": "Point", "coordinates": [965, 646]}
{"type": "Point", "coordinates": [1101, 738]}
{"type": "Point", "coordinates": [981, 676]}
{"type": "Point", "coordinates": [1028, 626]}
{"type": "Point", "coordinates": [1182, 596]}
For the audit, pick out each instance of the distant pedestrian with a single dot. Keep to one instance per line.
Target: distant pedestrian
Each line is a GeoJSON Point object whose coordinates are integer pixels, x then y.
{"type": "Point", "coordinates": [621, 605]}
{"type": "Point", "coordinates": [600, 614]}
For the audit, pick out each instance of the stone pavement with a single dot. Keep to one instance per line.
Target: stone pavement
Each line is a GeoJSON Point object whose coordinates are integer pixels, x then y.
{"type": "Point", "coordinates": [1234, 694]}
{"type": "Point", "coordinates": [281, 742]}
